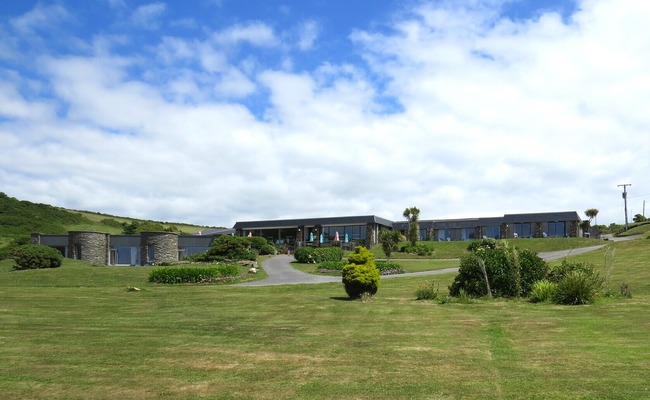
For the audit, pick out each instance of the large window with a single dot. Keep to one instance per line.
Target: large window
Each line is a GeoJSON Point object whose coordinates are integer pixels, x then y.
{"type": "Point", "coordinates": [493, 232]}
{"type": "Point", "coordinates": [523, 230]}
{"type": "Point", "coordinates": [467, 233]}
{"type": "Point", "coordinates": [444, 235]}
{"type": "Point", "coordinates": [556, 229]}
{"type": "Point", "coordinates": [353, 232]}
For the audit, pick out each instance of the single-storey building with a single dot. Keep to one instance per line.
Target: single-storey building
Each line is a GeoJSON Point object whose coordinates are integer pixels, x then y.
{"type": "Point", "coordinates": [150, 248]}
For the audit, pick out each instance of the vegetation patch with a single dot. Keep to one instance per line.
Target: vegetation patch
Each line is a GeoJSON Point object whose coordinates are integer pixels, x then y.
{"type": "Point", "coordinates": [174, 275]}
{"type": "Point", "coordinates": [36, 257]}
{"type": "Point", "coordinates": [361, 276]}
{"type": "Point", "coordinates": [317, 255]}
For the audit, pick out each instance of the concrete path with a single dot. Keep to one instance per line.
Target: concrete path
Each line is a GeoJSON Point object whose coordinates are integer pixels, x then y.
{"type": "Point", "coordinates": [281, 272]}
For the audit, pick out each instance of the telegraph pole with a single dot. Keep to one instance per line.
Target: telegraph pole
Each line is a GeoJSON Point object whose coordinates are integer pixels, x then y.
{"type": "Point", "coordinates": [625, 185]}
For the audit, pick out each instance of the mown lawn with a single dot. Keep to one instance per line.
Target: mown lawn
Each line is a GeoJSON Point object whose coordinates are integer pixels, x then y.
{"type": "Point", "coordinates": [77, 333]}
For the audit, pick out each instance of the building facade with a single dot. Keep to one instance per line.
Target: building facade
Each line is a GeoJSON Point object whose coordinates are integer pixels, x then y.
{"type": "Point", "coordinates": [150, 248]}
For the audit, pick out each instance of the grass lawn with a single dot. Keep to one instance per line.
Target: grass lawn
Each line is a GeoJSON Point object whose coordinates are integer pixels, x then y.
{"type": "Point", "coordinates": [75, 332]}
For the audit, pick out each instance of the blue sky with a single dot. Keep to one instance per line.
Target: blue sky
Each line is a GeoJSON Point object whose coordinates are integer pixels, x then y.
{"type": "Point", "coordinates": [214, 111]}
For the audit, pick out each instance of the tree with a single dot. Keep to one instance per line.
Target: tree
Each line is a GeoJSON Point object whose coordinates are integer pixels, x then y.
{"type": "Point", "coordinates": [412, 215]}
{"type": "Point", "coordinates": [639, 218]}
{"type": "Point", "coordinates": [591, 213]}
{"type": "Point", "coordinates": [389, 240]}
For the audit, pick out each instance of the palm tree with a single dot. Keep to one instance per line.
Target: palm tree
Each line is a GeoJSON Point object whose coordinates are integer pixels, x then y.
{"type": "Point", "coordinates": [591, 213]}
{"type": "Point", "coordinates": [412, 215]}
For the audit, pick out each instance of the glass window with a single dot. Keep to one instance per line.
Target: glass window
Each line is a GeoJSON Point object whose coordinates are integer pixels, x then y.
{"type": "Point", "coordinates": [444, 235]}
{"type": "Point", "coordinates": [493, 232]}
{"type": "Point", "coordinates": [523, 230]}
{"type": "Point", "coordinates": [556, 229]}
{"type": "Point", "coordinates": [467, 233]}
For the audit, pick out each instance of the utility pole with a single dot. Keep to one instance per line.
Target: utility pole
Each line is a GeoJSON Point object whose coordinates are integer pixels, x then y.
{"type": "Point", "coordinates": [625, 185]}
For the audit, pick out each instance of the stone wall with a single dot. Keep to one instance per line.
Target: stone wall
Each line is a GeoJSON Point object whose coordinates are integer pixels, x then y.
{"type": "Point", "coordinates": [158, 247]}
{"type": "Point", "coordinates": [92, 247]}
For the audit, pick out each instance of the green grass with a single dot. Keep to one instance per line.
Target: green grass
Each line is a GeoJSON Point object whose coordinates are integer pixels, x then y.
{"type": "Point", "coordinates": [446, 250]}
{"type": "Point", "coordinates": [640, 228]}
{"type": "Point", "coordinates": [76, 333]}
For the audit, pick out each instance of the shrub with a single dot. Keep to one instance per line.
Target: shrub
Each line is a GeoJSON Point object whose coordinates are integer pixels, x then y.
{"type": "Point", "coordinates": [317, 254]}
{"type": "Point", "coordinates": [32, 256]}
{"type": "Point", "coordinates": [578, 287]}
{"type": "Point", "coordinates": [558, 272]}
{"type": "Point", "coordinates": [427, 291]}
{"type": "Point", "coordinates": [543, 291]}
{"type": "Point", "coordinates": [510, 272]}
{"type": "Point", "coordinates": [172, 275]}
{"type": "Point", "coordinates": [232, 248]}
{"type": "Point", "coordinates": [532, 268]}
{"type": "Point", "coordinates": [389, 240]}
{"type": "Point", "coordinates": [268, 249]}
{"type": "Point", "coordinates": [304, 255]}
{"type": "Point", "coordinates": [257, 242]}
{"type": "Point", "coordinates": [9, 250]}
{"type": "Point", "coordinates": [421, 249]}
{"type": "Point", "coordinates": [389, 268]}
{"type": "Point", "coordinates": [326, 266]}
{"type": "Point", "coordinates": [625, 290]}
{"type": "Point", "coordinates": [360, 275]}
{"type": "Point", "coordinates": [487, 243]}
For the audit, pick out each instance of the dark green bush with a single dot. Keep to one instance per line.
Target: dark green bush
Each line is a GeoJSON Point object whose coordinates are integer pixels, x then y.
{"type": "Point", "coordinates": [421, 249]}
{"type": "Point", "coordinates": [532, 269]}
{"type": "Point", "coordinates": [172, 275]}
{"type": "Point", "coordinates": [31, 256]}
{"type": "Point", "coordinates": [360, 275]}
{"type": "Point", "coordinates": [558, 272]}
{"type": "Point", "coordinates": [227, 248]}
{"type": "Point", "coordinates": [304, 255]}
{"type": "Point", "coordinates": [257, 242]}
{"type": "Point", "coordinates": [8, 250]}
{"type": "Point", "coordinates": [331, 266]}
{"type": "Point", "coordinates": [511, 272]}
{"type": "Point", "coordinates": [267, 249]}
{"type": "Point", "coordinates": [389, 268]}
{"type": "Point", "coordinates": [317, 254]}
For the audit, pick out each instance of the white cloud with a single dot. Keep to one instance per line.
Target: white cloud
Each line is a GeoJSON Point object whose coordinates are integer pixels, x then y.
{"type": "Point", "coordinates": [307, 35]}
{"type": "Point", "coordinates": [255, 33]}
{"type": "Point", "coordinates": [495, 116]}
{"type": "Point", "coordinates": [148, 15]}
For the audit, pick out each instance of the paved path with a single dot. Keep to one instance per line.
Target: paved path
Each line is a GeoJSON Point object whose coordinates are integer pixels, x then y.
{"type": "Point", "coordinates": [281, 272]}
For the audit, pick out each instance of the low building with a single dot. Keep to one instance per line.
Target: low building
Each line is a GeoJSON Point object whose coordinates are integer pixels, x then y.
{"type": "Point", "coordinates": [150, 248]}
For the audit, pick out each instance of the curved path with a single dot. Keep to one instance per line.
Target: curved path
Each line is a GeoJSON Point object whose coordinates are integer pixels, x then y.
{"type": "Point", "coordinates": [281, 272]}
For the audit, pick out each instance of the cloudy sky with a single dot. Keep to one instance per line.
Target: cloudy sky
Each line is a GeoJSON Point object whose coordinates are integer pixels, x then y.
{"type": "Point", "coordinates": [216, 111]}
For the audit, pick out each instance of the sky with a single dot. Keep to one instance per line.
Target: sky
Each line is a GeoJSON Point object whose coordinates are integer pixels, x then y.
{"type": "Point", "coordinates": [216, 111]}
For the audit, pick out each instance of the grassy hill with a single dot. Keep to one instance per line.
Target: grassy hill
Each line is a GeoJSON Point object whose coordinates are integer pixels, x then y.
{"type": "Point", "coordinates": [22, 218]}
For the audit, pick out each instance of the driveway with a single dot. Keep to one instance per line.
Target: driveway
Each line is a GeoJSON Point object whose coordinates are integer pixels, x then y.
{"type": "Point", "coordinates": [281, 272]}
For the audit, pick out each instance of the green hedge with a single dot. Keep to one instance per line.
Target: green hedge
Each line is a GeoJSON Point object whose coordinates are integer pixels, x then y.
{"type": "Point", "coordinates": [172, 275]}
{"type": "Point", "coordinates": [317, 255]}
{"type": "Point", "coordinates": [32, 256]}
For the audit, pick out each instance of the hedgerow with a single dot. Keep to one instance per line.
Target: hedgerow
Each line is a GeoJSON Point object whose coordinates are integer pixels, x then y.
{"type": "Point", "coordinates": [173, 275]}
{"type": "Point", "coordinates": [317, 255]}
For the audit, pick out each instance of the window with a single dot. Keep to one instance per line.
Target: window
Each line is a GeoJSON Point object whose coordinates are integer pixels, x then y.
{"type": "Point", "coordinates": [556, 229]}
{"type": "Point", "coordinates": [493, 232]}
{"type": "Point", "coordinates": [444, 235]}
{"type": "Point", "coordinates": [77, 251]}
{"type": "Point", "coordinates": [523, 230]}
{"type": "Point", "coordinates": [151, 252]}
{"type": "Point", "coordinates": [467, 233]}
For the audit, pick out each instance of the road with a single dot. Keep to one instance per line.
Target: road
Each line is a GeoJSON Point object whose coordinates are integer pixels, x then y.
{"type": "Point", "coordinates": [280, 271]}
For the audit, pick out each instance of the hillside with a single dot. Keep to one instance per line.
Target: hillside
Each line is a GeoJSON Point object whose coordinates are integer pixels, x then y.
{"type": "Point", "coordinates": [22, 218]}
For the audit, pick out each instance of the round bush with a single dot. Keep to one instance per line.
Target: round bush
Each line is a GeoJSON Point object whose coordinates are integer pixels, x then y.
{"type": "Point", "coordinates": [36, 257]}
{"type": "Point", "coordinates": [361, 276]}
{"type": "Point", "coordinates": [267, 249]}
{"type": "Point", "coordinates": [304, 255]}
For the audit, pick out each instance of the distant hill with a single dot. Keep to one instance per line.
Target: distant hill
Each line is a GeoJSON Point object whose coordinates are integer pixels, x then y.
{"type": "Point", "coordinates": [22, 218]}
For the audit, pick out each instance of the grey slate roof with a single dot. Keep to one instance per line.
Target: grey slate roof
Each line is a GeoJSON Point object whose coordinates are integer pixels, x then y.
{"type": "Point", "coordinates": [289, 223]}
